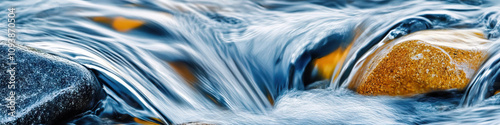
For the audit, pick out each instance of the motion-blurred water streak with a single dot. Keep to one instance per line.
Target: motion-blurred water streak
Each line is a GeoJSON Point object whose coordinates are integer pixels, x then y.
{"type": "Point", "coordinates": [243, 62]}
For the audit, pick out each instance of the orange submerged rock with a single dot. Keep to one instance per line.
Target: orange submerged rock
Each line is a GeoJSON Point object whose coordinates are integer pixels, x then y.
{"type": "Point", "coordinates": [421, 62]}
{"type": "Point", "coordinates": [120, 24]}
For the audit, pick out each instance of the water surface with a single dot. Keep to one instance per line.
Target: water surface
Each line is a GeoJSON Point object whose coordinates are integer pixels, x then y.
{"type": "Point", "coordinates": [248, 58]}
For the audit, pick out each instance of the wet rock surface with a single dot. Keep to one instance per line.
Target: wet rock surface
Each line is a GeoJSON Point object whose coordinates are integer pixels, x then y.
{"type": "Point", "coordinates": [422, 62]}
{"type": "Point", "coordinates": [48, 89]}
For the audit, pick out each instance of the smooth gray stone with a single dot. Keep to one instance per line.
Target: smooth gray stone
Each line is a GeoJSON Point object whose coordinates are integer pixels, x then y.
{"type": "Point", "coordinates": [48, 89]}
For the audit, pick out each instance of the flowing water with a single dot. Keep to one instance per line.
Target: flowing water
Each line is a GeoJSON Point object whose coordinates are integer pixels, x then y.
{"type": "Point", "coordinates": [245, 61]}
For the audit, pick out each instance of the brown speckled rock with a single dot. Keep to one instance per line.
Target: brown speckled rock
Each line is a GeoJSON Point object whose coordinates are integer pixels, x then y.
{"type": "Point", "coordinates": [421, 62]}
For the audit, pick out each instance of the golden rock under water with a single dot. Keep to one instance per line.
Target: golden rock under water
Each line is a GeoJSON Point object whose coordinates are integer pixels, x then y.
{"type": "Point", "coordinates": [120, 24]}
{"type": "Point", "coordinates": [421, 62]}
{"type": "Point", "coordinates": [331, 63]}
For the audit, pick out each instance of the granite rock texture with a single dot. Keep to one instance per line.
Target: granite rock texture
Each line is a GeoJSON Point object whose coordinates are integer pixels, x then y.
{"type": "Point", "coordinates": [422, 62]}
{"type": "Point", "coordinates": [48, 89]}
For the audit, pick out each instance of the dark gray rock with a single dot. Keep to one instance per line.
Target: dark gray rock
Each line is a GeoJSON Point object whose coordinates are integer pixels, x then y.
{"type": "Point", "coordinates": [48, 89]}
